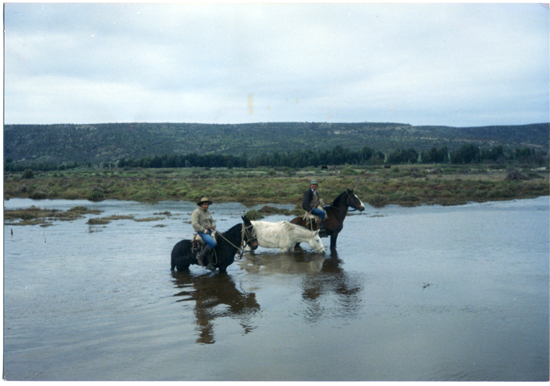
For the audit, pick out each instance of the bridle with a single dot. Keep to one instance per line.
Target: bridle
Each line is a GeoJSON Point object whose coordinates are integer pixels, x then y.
{"type": "Point", "coordinates": [353, 209]}
{"type": "Point", "coordinates": [247, 231]}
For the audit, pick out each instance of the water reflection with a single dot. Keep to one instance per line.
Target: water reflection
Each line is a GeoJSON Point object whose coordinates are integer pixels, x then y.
{"type": "Point", "coordinates": [332, 281]}
{"type": "Point", "coordinates": [287, 263]}
{"type": "Point", "coordinates": [215, 297]}
{"type": "Point", "coordinates": [327, 290]}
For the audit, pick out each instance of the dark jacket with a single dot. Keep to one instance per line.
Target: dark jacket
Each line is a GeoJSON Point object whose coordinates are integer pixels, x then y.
{"type": "Point", "coordinates": [310, 200]}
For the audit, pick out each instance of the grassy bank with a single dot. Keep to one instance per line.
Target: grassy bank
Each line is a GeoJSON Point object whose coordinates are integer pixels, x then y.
{"type": "Point", "coordinates": [376, 185]}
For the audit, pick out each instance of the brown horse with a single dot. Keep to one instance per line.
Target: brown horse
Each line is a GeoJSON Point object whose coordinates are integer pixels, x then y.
{"type": "Point", "coordinates": [336, 213]}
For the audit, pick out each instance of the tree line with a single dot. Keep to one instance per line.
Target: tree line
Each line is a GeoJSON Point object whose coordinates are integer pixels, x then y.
{"type": "Point", "coordinates": [465, 154]}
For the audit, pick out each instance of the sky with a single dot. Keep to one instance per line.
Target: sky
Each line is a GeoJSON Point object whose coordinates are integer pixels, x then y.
{"type": "Point", "coordinates": [445, 64]}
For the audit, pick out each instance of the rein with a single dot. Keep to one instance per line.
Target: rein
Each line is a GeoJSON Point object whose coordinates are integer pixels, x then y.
{"type": "Point", "coordinates": [352, 208]}
{"type": "Point", "coordinates": [244, 230]}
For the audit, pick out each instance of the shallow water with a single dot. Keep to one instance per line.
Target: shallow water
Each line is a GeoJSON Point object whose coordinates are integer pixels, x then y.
{"type": "Point", "coordinates": [428, 293]}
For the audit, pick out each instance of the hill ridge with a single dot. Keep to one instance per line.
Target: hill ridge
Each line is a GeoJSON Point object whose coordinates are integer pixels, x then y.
{"type": "Point", "coordinates": [109, 142]}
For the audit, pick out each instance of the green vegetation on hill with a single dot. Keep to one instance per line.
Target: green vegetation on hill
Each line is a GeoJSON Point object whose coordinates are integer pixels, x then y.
{"type": "Point", "coordinates": [97, 143]}
{"type": "Point", "coordinates": [465, 154]}
{"type": "Point", "coordinates": [386, 163]}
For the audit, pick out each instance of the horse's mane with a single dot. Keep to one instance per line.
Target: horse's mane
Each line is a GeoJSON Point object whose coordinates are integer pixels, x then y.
{"type": "Point", "coordinates": [337, 199]}
{"type": "Point", "coordinates": [288, 226]}
{"type": "Point", "coordinates": [297, 228]}
{"type": "Point", "coordinates": [232, 232]}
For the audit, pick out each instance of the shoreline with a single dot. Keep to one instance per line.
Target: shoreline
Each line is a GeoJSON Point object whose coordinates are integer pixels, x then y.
{"type": "Point", "coordinates": [45, 217]}
{"type": "Point", "coordinates": [404, 185]}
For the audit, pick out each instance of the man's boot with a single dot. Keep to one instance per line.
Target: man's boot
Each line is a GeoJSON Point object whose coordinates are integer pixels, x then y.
{"type": "Point", "coordinates": [200, 259]}
{"type": "Point", "coordinates": [210, 266]}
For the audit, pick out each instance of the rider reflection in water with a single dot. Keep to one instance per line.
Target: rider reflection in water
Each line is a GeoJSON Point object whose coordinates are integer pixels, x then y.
{"type": "Point", "coordinates": [312, 204]}
{"type": "Point", "coordinates": [203, 223]}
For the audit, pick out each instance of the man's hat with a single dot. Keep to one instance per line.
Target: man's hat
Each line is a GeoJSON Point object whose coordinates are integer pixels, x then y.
{"type": "Point", "coordinates": [314, 182]}
{"type": "Point", "coordinates": [203, 200]}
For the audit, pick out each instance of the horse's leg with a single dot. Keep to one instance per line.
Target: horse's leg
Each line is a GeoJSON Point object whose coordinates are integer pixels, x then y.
{"type": "Point", "coordinates": [176, 256]}
{"type": "Point", "coordinates": [297, 247]}
{"type": "Point", "coordinates": [333, 238]}
{"type": "Point", "coordinates": [183, 263]}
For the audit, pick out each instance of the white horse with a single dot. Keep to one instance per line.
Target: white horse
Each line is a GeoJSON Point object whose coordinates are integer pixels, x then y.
{"type": "Point", "coordinates": [285, 235]}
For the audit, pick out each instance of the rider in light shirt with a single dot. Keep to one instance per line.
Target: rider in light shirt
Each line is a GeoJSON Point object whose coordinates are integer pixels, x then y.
{"type": "Point", "coordinates": [203, 223]}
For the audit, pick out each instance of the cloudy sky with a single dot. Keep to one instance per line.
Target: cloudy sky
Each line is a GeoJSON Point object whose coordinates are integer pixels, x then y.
{"type": "Point", "coordinates": [422, 64]}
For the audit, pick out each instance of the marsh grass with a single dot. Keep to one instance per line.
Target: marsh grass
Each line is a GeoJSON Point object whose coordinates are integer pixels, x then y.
{"type": "Point", "coordinates": [43, 217]}
{"type": "Point", "coordinates": [148, 219]}
{"type": "Point", "coordinates": [402, 185]}
{"type": "Point", "coordinates": [107, 220]}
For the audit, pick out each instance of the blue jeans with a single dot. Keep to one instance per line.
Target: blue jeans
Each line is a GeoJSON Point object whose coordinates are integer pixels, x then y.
{"type": "Point", "coordinates": [209, 240]}
{"type": "Point", "coordinates": [318, 212]}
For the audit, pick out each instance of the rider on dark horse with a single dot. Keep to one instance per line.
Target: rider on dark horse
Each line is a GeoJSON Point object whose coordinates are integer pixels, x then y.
{"type": "Point", "coordinates": [311, 204]}
{"type": "Point", "coordinates": [203, 223]}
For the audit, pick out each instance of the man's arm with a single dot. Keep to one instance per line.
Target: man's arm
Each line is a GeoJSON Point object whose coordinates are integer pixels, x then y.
{"type": "Point", "coordinates": [307, 200]}
{"type": "Point", "coordinates": [195, 222]}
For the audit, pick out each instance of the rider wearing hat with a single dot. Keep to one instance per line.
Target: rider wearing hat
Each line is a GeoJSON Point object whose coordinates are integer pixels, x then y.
{"type": "Point", "coordinates": [310, 202]}
{"type": "Point", "coordinates": [203, 223]}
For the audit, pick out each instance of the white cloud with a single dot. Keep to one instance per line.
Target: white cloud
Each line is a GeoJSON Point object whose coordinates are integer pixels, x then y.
{"type": "Point", "coordinates": [451, 64]}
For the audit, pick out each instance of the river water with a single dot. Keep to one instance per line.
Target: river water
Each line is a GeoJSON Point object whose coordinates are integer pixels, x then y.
{"type": "Point", "coordinates": [436, 293]}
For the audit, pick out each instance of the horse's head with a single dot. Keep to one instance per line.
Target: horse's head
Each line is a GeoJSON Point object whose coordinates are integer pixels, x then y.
{"type": "Point", "coordinates": [249, 234]}
{"type": "Point", "coordinates": [354, 201]}
{"type": "Point", "coordinates": [316, 243]}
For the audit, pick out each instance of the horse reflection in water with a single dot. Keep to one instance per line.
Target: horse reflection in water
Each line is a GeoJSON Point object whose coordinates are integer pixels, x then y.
{"type": "Point", "coordinates": [288, 263]}
{"type": "Point", "coordinates": [215, 297]}
{"type": "Point", "coordinates": [332, 279]}
{"type": "Point", "coordinates": [322, 279]}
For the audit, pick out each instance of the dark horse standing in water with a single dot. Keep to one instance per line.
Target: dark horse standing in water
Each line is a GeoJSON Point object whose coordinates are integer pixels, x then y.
{"type": "Point", "coordinates": [336, 213]}
{"type": "Point", "coordinates": [228, 243]}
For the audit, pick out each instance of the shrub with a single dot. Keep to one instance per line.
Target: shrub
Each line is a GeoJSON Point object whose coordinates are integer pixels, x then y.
{"type": "Point", "coordinates": [253, 215]}
{"type": "Point", "coordinates": [379, 200]}
{"type": "Point", "coordinates": [39, 195]}
{"type": "Point", "coordinates": [515, 175]}
{"type": "Point", "coordinates": [269, 210]}
{"type": "Point", "coordinates": [348, 171]}
{"type": "Point", "coordinates": [96, 196]}
{"type": "Point", "coordinates": [28, 174]}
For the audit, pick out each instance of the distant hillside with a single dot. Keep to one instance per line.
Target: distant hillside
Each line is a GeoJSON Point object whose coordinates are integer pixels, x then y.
{"type": "Point", "coordinates": [110, 142]}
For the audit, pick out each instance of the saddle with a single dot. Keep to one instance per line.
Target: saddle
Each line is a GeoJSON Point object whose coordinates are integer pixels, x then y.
{"type": "Point", "coordinates": [198, 244]}
{"type": "Point", "coordinates": [309, 218]}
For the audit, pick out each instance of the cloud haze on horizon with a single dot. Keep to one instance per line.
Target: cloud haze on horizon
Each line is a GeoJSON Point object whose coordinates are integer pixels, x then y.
{"type": "Point", "coordinates": [422, 64]}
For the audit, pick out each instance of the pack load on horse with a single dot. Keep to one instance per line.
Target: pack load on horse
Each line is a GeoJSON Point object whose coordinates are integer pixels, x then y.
{"type": "Point", "coordinates": [332, 218]}
{"type": "Point", "coordinates": [285, 235]}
